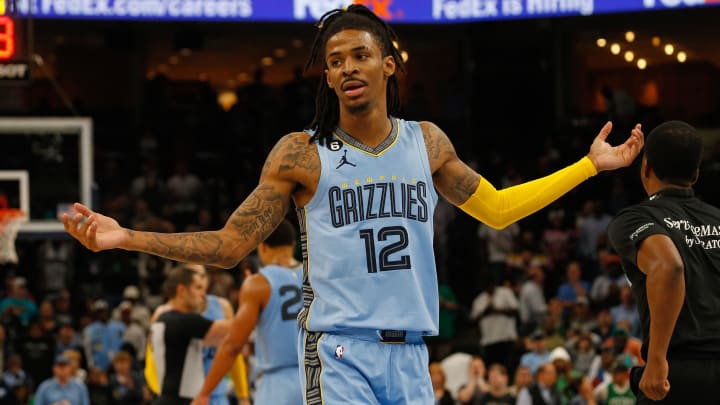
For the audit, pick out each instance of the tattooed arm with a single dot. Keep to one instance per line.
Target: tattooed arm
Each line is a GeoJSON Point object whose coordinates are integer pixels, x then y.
{"type": "Point", "coordinates": [463, 187]}
{"type": "Point", "coordinates": [290, 168]}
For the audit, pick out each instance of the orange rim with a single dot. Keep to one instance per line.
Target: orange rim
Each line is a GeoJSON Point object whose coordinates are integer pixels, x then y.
{"type": "Point", "coordinates": [7, 214]}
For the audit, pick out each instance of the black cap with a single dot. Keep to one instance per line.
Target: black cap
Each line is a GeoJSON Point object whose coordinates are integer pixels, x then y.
{"type": "Point", "coordinates": [61, 359]}
{"type": "Point", "coordinates": [537, 335]}
{"type": "Point", "coordinates": [620, 367]}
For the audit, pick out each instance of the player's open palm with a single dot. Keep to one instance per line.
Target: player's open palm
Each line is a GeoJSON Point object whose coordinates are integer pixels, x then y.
{"type": "Point", "coordinates": [95, 231]}
{"type": "Point", "coordinates": [608, 157]}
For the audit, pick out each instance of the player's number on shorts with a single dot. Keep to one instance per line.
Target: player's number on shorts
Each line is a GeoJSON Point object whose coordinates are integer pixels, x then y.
{"type": "Point", "coordinates": [385, 262]}
{"type": "Point", "coordinates": [294, 294]}
{"type": "Point", "coordinates": [7, 37]}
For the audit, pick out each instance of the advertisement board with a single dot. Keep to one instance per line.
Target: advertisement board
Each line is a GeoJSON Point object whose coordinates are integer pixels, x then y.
{"type": "Point", "coordinates": [397, 11]}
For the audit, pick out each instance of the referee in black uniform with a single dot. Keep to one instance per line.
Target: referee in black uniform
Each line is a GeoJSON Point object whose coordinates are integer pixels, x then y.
{"type": "Point", "coordinates": [670, 249]}
{"type": "Point", "coordinates": [179, 335]}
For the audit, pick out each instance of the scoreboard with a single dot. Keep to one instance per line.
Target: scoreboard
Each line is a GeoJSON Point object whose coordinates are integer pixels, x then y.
{"type": "Point", "coordinates": [15, 50]}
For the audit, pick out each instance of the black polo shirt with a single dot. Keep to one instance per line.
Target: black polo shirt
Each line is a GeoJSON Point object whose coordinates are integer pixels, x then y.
{"type": "Point", "coordinates": [694, 228]}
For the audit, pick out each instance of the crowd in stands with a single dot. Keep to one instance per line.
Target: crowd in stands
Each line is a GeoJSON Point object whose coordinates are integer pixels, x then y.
{"type": "Point", "coordinates": [540, 309]}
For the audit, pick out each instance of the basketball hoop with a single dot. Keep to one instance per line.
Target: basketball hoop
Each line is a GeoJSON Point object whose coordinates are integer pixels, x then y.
{"type": "Point", "coordinates": [10, 221]}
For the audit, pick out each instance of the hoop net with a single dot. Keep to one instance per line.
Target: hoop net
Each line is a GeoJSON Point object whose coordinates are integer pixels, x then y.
{"type": "Point", "coordinates": [10, 221]}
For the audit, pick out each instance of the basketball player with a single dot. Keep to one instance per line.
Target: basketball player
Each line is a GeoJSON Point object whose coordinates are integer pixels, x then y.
{"type": "Point", "coordinates": [215, 309]}
{"type": "Point", "coordinates": [366, 228]}
{"type": "Point", "coordinates": [269, 302]}
{"type": "Point", "coordinates": [179, 335]}
{"type": "Point", "coordinates": [670, 250]}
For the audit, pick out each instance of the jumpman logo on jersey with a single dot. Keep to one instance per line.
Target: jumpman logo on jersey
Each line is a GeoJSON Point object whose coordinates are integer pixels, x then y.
{"type": "Point", "coordinates": [344, 161]}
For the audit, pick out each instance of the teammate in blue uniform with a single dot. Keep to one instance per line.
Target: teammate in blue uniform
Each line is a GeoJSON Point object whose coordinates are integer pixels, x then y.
{"type": "Point", "coordinates": [269, 302]}
{"type": "Point", "coordinates": [364, 185]}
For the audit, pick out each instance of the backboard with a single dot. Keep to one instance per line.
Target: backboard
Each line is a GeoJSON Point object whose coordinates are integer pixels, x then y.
{"type": "Point", "coordinates": [45, 165]}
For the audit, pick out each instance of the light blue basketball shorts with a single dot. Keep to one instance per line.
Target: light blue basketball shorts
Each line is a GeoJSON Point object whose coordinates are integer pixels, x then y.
{"type": "Point", "coordinates": [279, 387]}
{"type": "Point", "coordinates": [357, 368]}
{"type": "Point", "coordinates": [219, 400]}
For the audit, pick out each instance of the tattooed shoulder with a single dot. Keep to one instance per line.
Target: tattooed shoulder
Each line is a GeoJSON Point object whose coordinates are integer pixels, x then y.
{"type": "Point", "coordinates": [439, 147]}
{"type": "Point", "coordinates": [293, 155]}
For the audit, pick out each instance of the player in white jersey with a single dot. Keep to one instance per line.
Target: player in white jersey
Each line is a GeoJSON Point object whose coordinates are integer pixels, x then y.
{"type": "Point", "coordinates": [357, 100]}
{"type": "Point", "coordinates": [269, 303]}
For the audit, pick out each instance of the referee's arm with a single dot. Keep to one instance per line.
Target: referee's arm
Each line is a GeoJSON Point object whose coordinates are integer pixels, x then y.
{"type": "Point", "coordinates": [216, 333]}
{"type": "Point", "coordinates": [660, 260]}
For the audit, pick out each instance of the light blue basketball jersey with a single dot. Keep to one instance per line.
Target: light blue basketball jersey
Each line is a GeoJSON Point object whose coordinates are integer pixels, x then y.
{"type": "Point", "coordinates": [214, 312]}
{"type": "Point", "coordinates": [277, 326]}
{"type": "Point", "coordinates": [367, 236]}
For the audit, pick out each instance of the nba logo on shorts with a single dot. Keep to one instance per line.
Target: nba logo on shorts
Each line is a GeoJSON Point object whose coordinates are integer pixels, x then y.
{"type": "Point", "coordinates": [339, 350]}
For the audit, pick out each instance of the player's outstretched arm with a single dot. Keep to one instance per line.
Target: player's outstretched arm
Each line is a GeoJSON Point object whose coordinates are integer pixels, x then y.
{"type": "Point", "coordinates": [254, 295]}
{"type": "Point", "coordinates": [249, 225]}
{"type": "Point", "coordinates": [466, 189]}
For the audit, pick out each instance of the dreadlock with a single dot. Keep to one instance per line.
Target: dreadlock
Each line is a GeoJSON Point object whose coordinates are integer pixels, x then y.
{"type": "Point", "coordinates": [355, 17]}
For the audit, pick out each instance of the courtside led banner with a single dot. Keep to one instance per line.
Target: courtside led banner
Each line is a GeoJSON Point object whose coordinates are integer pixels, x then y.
{"type": "Point", "coordinates": [399, 11]}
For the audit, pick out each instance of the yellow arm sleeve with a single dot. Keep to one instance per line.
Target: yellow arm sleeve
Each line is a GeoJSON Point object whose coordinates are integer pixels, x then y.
{"type": "Point", "coordinates": [499, 209]}
{"type": "Point", "coordinates": [150, 372]}
{"type": "Point", "coordinates": [238, 375]}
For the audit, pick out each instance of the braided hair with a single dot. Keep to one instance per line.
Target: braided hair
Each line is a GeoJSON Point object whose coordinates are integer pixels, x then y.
{"type": "Point", "coordinates": [355, 17]}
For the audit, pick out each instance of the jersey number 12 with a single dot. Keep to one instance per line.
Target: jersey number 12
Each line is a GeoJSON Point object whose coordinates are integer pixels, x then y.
{"type": "Point", "coordinates": [383, 262]}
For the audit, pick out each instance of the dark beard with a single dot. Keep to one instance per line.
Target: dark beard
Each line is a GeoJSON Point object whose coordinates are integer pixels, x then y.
{"type": "Point", "coordinates": [359, 109]}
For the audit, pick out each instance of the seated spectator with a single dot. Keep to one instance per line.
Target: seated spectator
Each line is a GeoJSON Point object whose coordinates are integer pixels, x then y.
{"type": "Point", "coordinates": [135, 335]}
{"type": "Point", "coordinates": [605, 325]}
{"type": "Point", "coordinates": [523, 378]}
{"type": "Point", "coordinates": [103, 337]}
{"type": "Point", "coordinates": [62, 388]}
{"type": "Point", "coordinates": [554, 329]}
{"type": "Point", "coordinates": [532, 306]}
{"type": "Point", "coordinates": [601, 367]}
{"type": "Point", "coordinates": [63, 308]}
{"type": "Point", "coordinates": [627, 311]}
{"type": "Point", "coordinates": [76, 371]}
{"type": "Point", "coordinates": [14, 375]}
{"type": "Point", "coordinates": [125, 384]}
{"type": "Point", "coordinates": [617, 391]}
{"type": "Point", "coordinates": [139, 311]}
{"type": "Point", "coordinates": [37, 352]}
{"type": "Point", "coordinates": [626, 347]}
{"type": "Point", "coordinates": [66, 338]}
{"type": "Point", "coordinates": [583, 389]}
{"type": "Point", "coordinates": [476, 385]}
{"type": "Point", "coordinates": [499, 393]}
{"type": "Point", "coordinates": [538, 353]}
{"type": "Point", "coordinates": [23, 395]}
{"type": "Point", "coordinates": [583, 352]}
{"type": "Point", "coordinates": [99, 387]}
{"type": "Point", "coordinates": [495, 309]}
{"type": "Point", "coordinates": [573, 287]}
{"type": "Point", "coordinates": [543, 391]}
{"type": "Point", "coordinates": [557, 238]}
{"type": "Point", "coordinates": [18, 306]}
{"type": "Point", "coordinates": [437, 376]}
{"type": "Point", "coordinates": [605, 290]}
{"type": "Point", "coordinates": [581, 318]}
{"type": "Point", "coordinates": [560, 358]}
{"type": "Point", "coordinates": [46, 316]}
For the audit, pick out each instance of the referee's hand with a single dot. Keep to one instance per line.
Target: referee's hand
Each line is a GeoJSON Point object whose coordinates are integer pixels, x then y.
{"type": "Point", "coordinates": [654, 383]}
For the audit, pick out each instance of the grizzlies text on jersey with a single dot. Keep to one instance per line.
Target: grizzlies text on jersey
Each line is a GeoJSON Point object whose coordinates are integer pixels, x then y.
{"type": "Point", "coordinates": [367, 236]}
